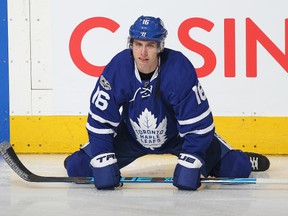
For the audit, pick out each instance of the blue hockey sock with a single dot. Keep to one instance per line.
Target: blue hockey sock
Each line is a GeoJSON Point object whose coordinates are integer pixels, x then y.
{"type": "Point", "coordinates": [78, 164]}
{"type": "Point", "coordinates": [235, 164]}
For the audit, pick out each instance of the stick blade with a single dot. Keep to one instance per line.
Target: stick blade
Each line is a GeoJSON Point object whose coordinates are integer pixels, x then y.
{"type": "Point", "coordinates": [4, 146]}
{"type": "Point", "coordinates": [14, 162]}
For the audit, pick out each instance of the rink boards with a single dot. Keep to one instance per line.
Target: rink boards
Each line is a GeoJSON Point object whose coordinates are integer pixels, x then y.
{"type": "Point", "coordinates": [240, 58]}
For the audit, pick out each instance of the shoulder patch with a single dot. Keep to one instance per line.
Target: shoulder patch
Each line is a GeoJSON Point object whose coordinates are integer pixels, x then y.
{"type": "Point", "coordinates": [104, 83]}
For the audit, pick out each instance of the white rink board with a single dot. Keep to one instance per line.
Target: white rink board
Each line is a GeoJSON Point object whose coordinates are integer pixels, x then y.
{"type": "Point", "coordinates": [66, 89]}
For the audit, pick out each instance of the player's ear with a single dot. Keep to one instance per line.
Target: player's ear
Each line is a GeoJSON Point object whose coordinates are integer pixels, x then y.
{"type": "Point", "coordinates": [129, 43]}
{"type": "Point", "coordinates": [160, 46]}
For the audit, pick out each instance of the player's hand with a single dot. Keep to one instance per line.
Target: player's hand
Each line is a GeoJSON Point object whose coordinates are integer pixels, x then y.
{"type": "Point", "coordinates": [106, 172]}
{"type": "Point", "coordinates": [187, 172]}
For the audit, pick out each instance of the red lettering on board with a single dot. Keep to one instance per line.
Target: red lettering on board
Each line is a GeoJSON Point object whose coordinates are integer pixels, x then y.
{"type": "Point", "coordinates": [76, 39]}
{"type": "Point", "coordinates": [195, 46]}
{"type": "Point", "coordinates": [229, 48]}
{"type": "Point", "coordinates": [253, 35]}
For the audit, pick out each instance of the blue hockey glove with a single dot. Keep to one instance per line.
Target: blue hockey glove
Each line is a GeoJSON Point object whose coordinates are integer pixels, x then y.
{"type": "Point", "coordinates": [106, 172]}
{"type": "Point", "coordinates": [187, 172]}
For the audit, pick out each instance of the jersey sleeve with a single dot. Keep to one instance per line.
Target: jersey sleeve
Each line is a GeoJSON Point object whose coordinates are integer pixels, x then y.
{"type": "Point", "coordinates": [191, 107]}
{"type": "Point", "coordinates": [103, 118]}
{"type": "Point", "coordinates": [105, 102]}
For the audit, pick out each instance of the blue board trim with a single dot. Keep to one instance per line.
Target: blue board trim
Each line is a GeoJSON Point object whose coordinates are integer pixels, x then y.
{"type": "Point", "coordinates": [4, 75]}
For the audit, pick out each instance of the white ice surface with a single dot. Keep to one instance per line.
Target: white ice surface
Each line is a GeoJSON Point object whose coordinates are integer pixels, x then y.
{"type": "Point", "coordinates": [18, 197]}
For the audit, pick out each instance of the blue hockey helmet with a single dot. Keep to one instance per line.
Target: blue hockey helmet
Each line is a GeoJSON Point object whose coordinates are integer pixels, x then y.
{"type": "Point", "coordinates": [148, 28]}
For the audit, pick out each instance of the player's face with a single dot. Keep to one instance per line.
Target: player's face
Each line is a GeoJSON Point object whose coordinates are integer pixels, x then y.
{"type": "Point", "coordinates": [145, 55]}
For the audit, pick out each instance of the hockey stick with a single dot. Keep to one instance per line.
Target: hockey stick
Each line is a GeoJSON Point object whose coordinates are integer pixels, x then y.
{"type": "Point", "coordinates": [13, 161]}
{"type": "Point", "coordinates": [227, 181]}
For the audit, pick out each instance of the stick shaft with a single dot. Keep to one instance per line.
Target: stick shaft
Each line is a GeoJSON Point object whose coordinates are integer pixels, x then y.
{"type": "Point", "coordinates": [203, 180]}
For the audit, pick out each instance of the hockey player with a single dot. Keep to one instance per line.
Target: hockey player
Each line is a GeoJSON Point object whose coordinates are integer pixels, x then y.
{"type": "Point", "coordinates": [149, 100]}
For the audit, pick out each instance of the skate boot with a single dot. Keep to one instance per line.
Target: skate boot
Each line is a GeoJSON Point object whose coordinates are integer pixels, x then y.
{"type": "Point", "coordinates": [258, 162]}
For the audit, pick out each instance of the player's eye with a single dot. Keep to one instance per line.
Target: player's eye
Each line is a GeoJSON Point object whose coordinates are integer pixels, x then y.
{"type": "Point", "coordinates": [138, 44]}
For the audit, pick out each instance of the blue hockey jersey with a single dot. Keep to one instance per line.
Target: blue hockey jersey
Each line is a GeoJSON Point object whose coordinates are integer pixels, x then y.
{"type": "Point", "coordinates": [172, 103]}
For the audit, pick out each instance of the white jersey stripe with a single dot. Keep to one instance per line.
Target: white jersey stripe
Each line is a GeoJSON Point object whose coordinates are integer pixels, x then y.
{"type": "Point", "coordinates": [201, 131]}
{"type": "Point", "coordinates": [99, 131]}
{"type": "Point", "coordinates": [102, 120]}
{"type": "Point", "coordinates": [135, 94]}
{"type": "Point", "coordinates": [196, 119]}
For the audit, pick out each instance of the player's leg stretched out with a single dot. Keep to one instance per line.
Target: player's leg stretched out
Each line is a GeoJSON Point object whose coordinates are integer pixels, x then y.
{"type": "Point", "coordinates": [227, 163]}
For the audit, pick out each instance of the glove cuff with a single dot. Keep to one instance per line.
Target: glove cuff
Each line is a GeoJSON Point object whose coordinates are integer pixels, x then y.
{"type": "Point", "coordinates": [189, 161]}
{"type": "Point", "coordinates": [103, 160]}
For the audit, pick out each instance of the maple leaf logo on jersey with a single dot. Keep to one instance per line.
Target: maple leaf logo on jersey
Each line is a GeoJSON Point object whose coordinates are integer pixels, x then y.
{"type": "Point", "coordinates": [147, 132]}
